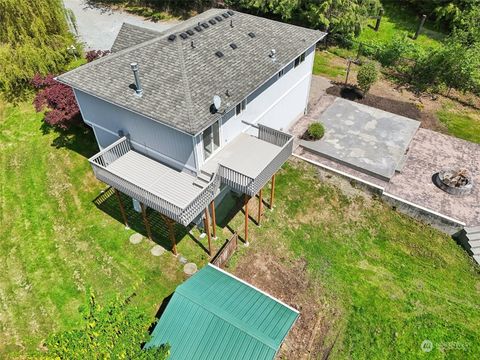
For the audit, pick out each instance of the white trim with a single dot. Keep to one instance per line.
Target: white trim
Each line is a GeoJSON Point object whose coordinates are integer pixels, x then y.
{"type": "Point", "coordinates": [253, 287]}
{"type": "Point", "coordinates": [340, 172]}
{"type": "Point", "coordinates": [163, 156]}
{"type": "Point", "coordinates": [424, 209]}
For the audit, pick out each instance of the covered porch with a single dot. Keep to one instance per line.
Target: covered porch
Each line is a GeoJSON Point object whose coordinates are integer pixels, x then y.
{"type": "Point", "coordinates": [244, 165]}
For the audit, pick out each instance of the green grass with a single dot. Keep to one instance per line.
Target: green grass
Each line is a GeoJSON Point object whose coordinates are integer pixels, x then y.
{"type": "Point", "coordinates": [389, 281]}
{"type": "Point", "coordinates": [54, 242]}
{"type": "Point", "coordinates": [323, 65]}
{"type": "Point", "coordinates": [462, 124]}
{"type": "Point", "coordinates": [398, 20]}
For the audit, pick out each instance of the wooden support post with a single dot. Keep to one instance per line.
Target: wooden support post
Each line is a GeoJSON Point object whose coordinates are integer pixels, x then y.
{"type": "Point", "coordinates": [260, 204]}
{"type": "Point", "coordinates": [379, 19]}
{"type": "Point", "coordinates": [206, 224]}
{"type": "Point", "coordinates": [348, 71]}
{"type": "Point", "coordinates": [214, 219]}
{"type": "Point", "coordinates": [272, 192]}
{"type": "Point", "coordinates": [247, 198]}
{"type": "Point", "coordinates": [122, 209]}
{"type": "Point", "coordinates": [420, 26]}
{"type": "Point", "coordinates": [145, 221]}
{"type": "Point", "coordinates": [171, 233]}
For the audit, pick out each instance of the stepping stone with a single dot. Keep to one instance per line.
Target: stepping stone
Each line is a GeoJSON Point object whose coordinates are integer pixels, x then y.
{"type": "Point", "coordinates": [190, 269]}
{"type": "Point", "coordinates": [157, 250]}
{"type": "Point", "coordinates": [136, 238]}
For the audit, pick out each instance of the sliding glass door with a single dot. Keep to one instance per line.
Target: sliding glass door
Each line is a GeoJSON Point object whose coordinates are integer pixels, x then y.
{"type": "Point", "coordinates": [211, 140]}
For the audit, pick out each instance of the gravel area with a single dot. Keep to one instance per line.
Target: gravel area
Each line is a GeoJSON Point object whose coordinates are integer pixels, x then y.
{"type": "Point", "coordinates": [98, 26]}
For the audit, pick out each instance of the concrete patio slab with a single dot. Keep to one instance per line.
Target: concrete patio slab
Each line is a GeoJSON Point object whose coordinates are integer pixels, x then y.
{"type": "Point", "coordinates": [429, 153]}
{"type": "Point", "coordinates": [367, 139]}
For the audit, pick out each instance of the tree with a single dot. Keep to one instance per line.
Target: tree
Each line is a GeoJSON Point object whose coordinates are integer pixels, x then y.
{"type": "Point", "coordinates": [116, 330]}
{"type": "Point", "coordinates": [59, 99]}
{"type": "Point", "coordinates": [367, 76]}
{"type": "Point", "coordinates": [34, 39]}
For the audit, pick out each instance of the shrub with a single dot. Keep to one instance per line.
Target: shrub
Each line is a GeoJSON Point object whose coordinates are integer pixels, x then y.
{"type": "Point", "coordinates": [96, 54]}
{"type": "Point", "coordinates": [367, 76]}
{"type": "Point", "coordinates": [59, 99]}
{"type": "Point", "coordinates": [316, 131]}
{"type": "Point", "coordinates": [116, 330]}
{"type": "Point", "coordinates": [391, 52]}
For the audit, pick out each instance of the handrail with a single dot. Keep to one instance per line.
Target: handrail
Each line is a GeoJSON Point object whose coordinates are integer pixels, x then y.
{"type": "Point", "coordinates": [273, 136]}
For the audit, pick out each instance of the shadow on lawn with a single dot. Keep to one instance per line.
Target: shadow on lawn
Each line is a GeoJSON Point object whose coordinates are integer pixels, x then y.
{"type": "Point", "coordinates": [78, 138]}
{"type": "Point", "coordinates": [108, 203]}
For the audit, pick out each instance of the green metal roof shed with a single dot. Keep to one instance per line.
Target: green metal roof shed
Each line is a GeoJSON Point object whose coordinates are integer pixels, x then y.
{"type": "Point", "coordinates": [215, 315]}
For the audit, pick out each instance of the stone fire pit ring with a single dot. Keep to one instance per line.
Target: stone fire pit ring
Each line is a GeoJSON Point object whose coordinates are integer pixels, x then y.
{"type": "Point", "coordinates": [457, 182]}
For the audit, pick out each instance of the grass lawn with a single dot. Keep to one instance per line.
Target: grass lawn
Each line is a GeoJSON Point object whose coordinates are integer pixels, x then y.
{"type": "Point", "coordinates": [387, 282]}
{"type": "Point", "coordinates": [461, 123]}
{"type": "Point", "coordinates": [398, 20]}
{"type": "Point", "coordinates": [324, 65]}
{"type": "Point", "coordinates": [54, 242]}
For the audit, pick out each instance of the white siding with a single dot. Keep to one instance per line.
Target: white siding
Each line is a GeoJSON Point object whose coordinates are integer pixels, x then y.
{"type": "Point", "coordinates": [147, 136]}
{"type": "Point", "coordinates": [277, 103]}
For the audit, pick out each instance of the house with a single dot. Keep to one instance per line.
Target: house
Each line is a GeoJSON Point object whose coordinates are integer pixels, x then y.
{"type": "Point", "coordinates": [184, 115]}
{"type": "Point", "coordinates": [215, 315]}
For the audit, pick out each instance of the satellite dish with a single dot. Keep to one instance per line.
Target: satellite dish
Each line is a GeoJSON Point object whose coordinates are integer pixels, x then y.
{"type": "Point", "coordinates": [217, 102]}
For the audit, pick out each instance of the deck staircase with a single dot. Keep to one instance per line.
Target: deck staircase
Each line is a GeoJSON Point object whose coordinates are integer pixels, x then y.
{"type": "Point", "coordinates": [203, 178]}
{"type": "Point", "coordinates": [473, 238]}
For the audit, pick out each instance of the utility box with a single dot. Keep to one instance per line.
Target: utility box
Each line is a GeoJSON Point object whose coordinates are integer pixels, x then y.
{"type": "Point", "coordinates": [136, 205]}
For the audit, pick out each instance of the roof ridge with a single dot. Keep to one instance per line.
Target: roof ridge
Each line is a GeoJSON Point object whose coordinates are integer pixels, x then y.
{"type": "Point", "coordinates": [188, 94]}
{"type": "Point", "coordinates": [221, 314]}
{"type": "Point", "coordinates": [142, 28]}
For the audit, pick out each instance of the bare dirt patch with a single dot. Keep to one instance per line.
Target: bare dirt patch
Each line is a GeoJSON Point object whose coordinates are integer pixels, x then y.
{"type": "Point", "coordinates": [288, 281]}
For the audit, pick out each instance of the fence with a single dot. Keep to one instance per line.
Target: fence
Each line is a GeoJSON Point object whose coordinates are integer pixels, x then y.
{"type": "Point", "coordinates": [226, 251]}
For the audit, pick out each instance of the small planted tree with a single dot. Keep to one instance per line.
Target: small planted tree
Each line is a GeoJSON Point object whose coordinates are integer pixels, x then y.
{"type": "Point", "coordinates": [367, 76]}
{"type": "Point", "coordinates": [116, 330]}
{"type": "Point", "coordinates": [59, 101]}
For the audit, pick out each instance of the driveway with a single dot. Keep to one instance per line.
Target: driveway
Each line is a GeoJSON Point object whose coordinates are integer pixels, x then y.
{"type": "Point", "coordinates": [98, 26]}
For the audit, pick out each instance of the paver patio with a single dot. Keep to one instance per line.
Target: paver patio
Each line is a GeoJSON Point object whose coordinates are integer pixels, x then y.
{"type": "Point", "coordinates": [429, 153]}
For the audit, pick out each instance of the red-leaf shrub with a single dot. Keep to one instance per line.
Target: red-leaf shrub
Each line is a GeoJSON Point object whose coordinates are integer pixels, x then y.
{"type": "Point", "coordinates": [95, 54]}
{"type": "Point", "coordinates": [58, 98]}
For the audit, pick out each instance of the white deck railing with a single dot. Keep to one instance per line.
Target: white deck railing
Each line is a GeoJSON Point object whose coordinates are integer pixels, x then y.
{"type": "Point", "coordinates": [185, 216]}
{"type": "Point", "coordinates": [236, 180]}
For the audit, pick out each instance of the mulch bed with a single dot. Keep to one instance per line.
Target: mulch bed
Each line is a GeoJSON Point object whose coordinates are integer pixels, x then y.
{"type": "Point", "coordinates": [394, 106]}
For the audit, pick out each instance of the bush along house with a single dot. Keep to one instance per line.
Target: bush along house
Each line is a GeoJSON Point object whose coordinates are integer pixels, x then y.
{"type": "Point", "coordinates": [185, 115]}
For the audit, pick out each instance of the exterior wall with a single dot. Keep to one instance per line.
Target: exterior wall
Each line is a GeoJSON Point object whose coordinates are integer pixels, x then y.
{"type": "Point", "coordinates": [277, 103]}
{"type": "Point", "coordinates": [147, 136]}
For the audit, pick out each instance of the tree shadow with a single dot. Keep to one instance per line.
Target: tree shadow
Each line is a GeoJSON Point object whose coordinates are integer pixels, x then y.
{"type": "Point", "coordinates": [78, 138]}
{"type": "Point", "coordinates": [108, 203]}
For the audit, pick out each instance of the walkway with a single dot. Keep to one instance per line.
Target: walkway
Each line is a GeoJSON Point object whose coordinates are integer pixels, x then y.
{"type": "Point", "coordinates": [98, 26]}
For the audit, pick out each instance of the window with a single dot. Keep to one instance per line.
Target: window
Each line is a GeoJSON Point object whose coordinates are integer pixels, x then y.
{"type": "Point", "coordinates": [299, 60]}
{"type": "Point", "coordinates": [240, 107]}
{"type": "Point", "coordinates": [211, 140]}
{"type": "Point", "coordinates": [281, 73]}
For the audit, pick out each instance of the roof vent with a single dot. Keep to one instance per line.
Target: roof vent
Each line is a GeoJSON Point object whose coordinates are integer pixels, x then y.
{"type": "Point", "coordinates": [230, 12]}
{"type": "Point", "coordinates": [231, 23]}
{"type": "Point", "coordinates": [233, 46]}
{"type": "Point", "coordinates": [138, 85]}
{"type": "Point", "coordinates": [219, 54]}
{"type": "Point", "coordinates": [205, 25]}
{"type": "Point", "coordinates": [273, 54]}
{"type": "Point", "coordinates": [198, 28]}
{"type": "Point", "coordinates": [218, 18]}
{"type": "Point", "coordinates": [183, 36]}
{"type": "Point", "coordinates": [212, 22]}
{"type": "Point", "coordinates": [172, 37]}
{"type": "Point", "coordinates": [190, 32]}
{"type": "Point", "coordinates": [225, 15]}
{"type": "Point", "coordinates": [251, 34]}
{"type": "Point", "coordinates": [192, 45]}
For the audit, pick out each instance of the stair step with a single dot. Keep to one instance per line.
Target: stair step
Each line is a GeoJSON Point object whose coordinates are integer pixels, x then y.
{"type": "Point", "coordinates": [475, 251]}
{"type": "Point", "coordinates": [473, 237]}
{"type": "Point", "coordinates": [477, 258]}
{"type": "Point", "coordinates": [474, 243]}
{"type": "Point", "coordinates": [472, 229]}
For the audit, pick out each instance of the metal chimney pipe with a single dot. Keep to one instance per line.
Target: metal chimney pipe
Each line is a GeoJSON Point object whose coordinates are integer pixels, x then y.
{"type": "Point", "coordinates": [138, 85]}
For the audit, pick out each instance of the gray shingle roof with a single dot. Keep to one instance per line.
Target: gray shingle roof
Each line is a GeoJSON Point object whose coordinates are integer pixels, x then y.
{"type": "Point", "coordinates": [131, 35]}
{"type": "Point", "coordinates": [179, 80]}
